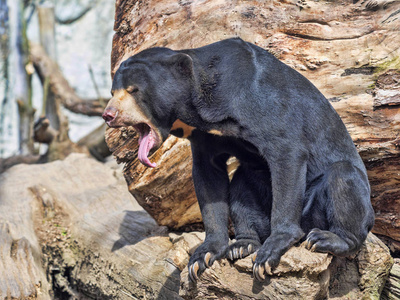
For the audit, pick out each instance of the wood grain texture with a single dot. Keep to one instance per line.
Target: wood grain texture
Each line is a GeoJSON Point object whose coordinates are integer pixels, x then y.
{"type": "Point", "coordinates": [348, 49]}
{"type": "Point", "coordinates": [71, 230]}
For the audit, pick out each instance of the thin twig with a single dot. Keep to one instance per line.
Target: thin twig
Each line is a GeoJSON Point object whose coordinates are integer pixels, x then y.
{"type": "Point", "coordinates": [96, 87]}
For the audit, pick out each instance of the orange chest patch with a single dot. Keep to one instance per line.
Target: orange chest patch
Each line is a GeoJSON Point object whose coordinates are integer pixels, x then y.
{"type": "Point", "coordinates": [181, 129]}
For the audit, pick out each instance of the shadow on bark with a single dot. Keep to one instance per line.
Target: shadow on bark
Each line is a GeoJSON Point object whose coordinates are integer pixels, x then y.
{"type": "Point", "coordinates": [136, 226]}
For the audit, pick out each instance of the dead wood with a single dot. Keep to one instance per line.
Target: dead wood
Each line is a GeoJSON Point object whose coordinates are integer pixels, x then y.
{"type": "Point", "coordinates": [391, 290]}
{"type": "Point", "coordinates": [337, 45]}
{"type": "Point", "coordinates": [59, 86]}
{"type": "Point", "coordinates": [43, 132]}
{"type": "Point", "coordinates": [387, 89]}
{"type": "Point", "coordinates": [71, 230]}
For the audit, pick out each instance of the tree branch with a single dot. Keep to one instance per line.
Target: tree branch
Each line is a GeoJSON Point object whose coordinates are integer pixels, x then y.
{"type": "Point", "coordinates": [46, 67]}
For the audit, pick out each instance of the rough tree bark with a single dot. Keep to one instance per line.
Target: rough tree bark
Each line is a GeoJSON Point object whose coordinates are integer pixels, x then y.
{"type": "Point", "coordinates": [392, 287]}
{"type": "Point", "coordinates": [71, 230]}
{"type": "Point", "coordinates": [348, 49]}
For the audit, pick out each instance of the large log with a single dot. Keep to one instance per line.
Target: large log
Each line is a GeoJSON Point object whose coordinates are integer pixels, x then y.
{"type": "Point", "coordinates": [300, 275]}
{"type": "Point", "coordinates": [341, 46]}
{"type": "Point", "coordinates": [71, 230]}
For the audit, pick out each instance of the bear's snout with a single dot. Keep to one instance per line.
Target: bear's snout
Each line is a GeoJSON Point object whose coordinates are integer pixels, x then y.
{"type": "Point", "coordinates": [110, 114]}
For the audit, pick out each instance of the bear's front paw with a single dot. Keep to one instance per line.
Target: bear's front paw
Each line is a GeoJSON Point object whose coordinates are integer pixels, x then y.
{"type": "Point", "coordinates": [204, 257]}
{"type": "Point", "coordinates": [269, 255]}
{"type": "Point", "coordinates": [264, 260]}
{"type": "Point", "coordinates": [242, 248]}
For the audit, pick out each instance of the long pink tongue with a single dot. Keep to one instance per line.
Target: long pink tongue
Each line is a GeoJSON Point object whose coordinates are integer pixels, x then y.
{"type": "Point", "coordinates": [146, 142]}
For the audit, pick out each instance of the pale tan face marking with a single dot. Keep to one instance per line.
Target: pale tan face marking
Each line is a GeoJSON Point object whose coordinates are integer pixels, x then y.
{"type": "Point", "coordinates": [187, 129]}
{"type": "Point", "coordinates": [129, 112]}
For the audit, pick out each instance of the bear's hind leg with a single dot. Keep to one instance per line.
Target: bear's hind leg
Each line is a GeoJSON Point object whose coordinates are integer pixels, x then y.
{"type": "Point", "coordinates": [345, 197]}
{"type": "Point", "coordinates": [250, 205]}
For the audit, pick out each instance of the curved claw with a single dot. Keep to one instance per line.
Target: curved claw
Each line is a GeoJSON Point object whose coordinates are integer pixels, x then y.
{"type": "Point", "coordinates": [268, 268]}
{"type": "Point", "coordinates": [253, 257]}
{"type": "Point", "coordinates": [313, 248]}
{"type": "Point", "coordinates": [193, 269]}
{"type": "Point", "coordinates": [241, 252]}
{"type": "Point", "coordinates": [250, 248]}
{"type": "Point", "coordinates": [308, 244]}
{"type": "Point", "coordinates": [230, 255]}
{"type": "Point", "coordinates": [235, 253]}
{"type": "Point", "coordinates": [207, 258]}
{"type": "Point", "coordinates": [258, 272]}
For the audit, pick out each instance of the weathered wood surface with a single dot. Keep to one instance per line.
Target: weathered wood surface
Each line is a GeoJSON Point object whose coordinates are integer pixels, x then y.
{"type": "Point", "coordinates": [71, 230]}
{"type": "Point", "coordinates": [167, 194]}
{"type": "Point", "coordinates": [300, 275]}
{"type": "Point", "coordinates": [387, 89]}
{"type": "Point", "coordinates": [341, 46]}
{"type": "Point", "coordinates": [391, 290]}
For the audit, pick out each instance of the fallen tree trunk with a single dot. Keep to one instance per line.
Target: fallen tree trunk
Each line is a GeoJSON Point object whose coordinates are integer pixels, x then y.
{"type": "Point", "coordinates": [337, 45]}
{"type": "Point", "coordinates": [71, 230]}
{"type": "Point", "coordinates": [300, 275]}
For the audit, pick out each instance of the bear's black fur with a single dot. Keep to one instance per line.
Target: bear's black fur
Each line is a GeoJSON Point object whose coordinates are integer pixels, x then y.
{"type": "Point", "coordinates": [300, 176]}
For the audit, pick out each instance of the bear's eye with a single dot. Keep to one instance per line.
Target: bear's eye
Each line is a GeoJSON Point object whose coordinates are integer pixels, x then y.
{"type": "Point", "coordinates": [132, 89]}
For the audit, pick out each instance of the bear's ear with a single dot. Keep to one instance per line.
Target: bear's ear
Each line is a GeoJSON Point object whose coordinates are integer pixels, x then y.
{"type": "Point", "coordinates": [183, 64]}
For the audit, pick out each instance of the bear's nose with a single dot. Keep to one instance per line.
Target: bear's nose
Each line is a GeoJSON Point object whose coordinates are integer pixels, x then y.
{"type": "Point", "coordinates": [109, 115]}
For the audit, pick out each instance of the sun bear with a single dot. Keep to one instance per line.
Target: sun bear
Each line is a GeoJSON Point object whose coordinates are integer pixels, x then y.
{"type": "Point", "coordinates": [300, 175]}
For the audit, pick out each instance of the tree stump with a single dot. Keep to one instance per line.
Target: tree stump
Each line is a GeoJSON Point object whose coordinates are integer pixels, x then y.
{"type": "Point", "coordinates": [345, 49]}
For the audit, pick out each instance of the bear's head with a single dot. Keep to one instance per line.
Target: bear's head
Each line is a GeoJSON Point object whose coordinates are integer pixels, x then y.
{"type": "Point", "coordinates": [147, 90]}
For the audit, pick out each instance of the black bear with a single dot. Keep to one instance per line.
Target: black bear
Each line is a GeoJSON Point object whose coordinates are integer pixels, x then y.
{"type": "Point", "coordinates": [300, 176]}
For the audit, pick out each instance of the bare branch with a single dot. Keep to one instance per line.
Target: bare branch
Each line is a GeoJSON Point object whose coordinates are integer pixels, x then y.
{"type": "Point", "coordinates": [60, 87]}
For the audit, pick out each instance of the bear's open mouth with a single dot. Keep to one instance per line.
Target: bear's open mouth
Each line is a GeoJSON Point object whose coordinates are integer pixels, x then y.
{"type": "Point", "coordinates": [147, 140]}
